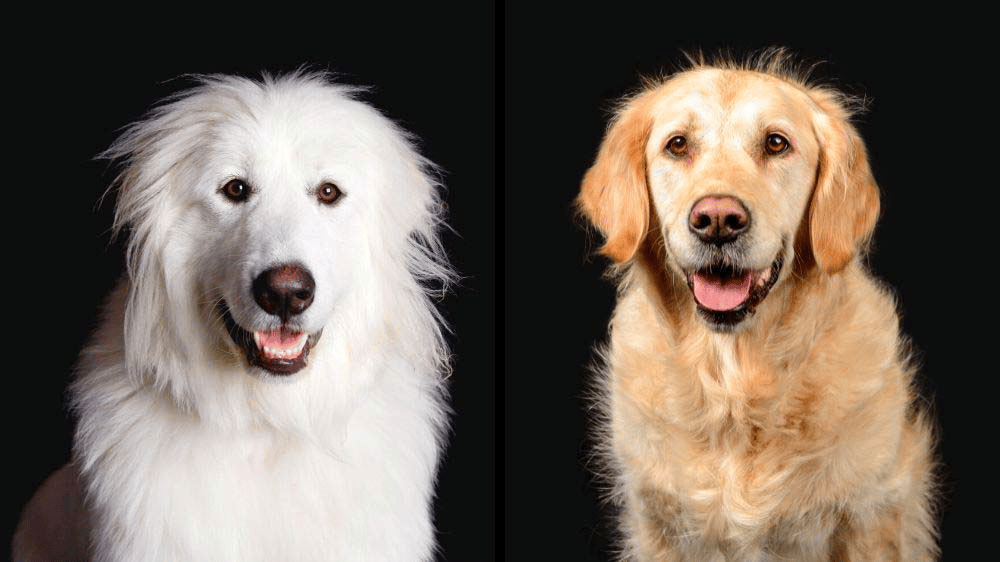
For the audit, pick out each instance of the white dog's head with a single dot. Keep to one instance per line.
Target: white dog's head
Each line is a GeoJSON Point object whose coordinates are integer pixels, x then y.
{"type": "Point", "coordinates": [735, 172]}
{"type": "Point", "coordinates": [268, 216]}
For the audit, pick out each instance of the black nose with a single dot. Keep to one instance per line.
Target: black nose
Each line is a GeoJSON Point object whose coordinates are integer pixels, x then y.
{"type": "Point", "coordinates": [284, 291]}
{"type": "Point", "coordinates": [718, 219]}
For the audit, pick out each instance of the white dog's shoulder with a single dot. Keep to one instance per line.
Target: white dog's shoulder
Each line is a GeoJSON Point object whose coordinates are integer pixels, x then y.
{"type": "Point", "coordinates": [54, 523]}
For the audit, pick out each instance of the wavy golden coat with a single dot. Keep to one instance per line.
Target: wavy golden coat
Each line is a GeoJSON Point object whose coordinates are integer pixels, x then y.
{"type": "Point", "coordinates": [784, 427]}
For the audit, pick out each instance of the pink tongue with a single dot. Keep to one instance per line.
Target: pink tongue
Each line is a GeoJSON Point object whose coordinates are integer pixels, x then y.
{"type": "Point", "coordinates": [281, 340]}
{"type": "Point", "coordinates": [717, 293]}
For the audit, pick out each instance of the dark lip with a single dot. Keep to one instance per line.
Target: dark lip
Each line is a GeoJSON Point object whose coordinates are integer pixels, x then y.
{"type": "Point", "coordinates": [244, 340]}
{"type": "Point", "coordinates": [727, 320]}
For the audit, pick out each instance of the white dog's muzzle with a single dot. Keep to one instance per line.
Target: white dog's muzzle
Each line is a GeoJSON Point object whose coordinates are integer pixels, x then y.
{"type": "Point", "coordinates": [282, 292]}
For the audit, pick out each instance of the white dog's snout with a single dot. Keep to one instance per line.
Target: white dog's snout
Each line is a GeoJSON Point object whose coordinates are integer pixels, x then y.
{"type": "Point", "coordinates": [284, 291]}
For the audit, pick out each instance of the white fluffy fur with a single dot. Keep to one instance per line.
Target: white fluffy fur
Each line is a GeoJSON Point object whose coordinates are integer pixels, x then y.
{"type": "Point", "coordinates": [182, 451]}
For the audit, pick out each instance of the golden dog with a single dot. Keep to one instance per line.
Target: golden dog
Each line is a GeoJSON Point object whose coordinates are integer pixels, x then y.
{"type": "Point", "coordinates": [757, 400]}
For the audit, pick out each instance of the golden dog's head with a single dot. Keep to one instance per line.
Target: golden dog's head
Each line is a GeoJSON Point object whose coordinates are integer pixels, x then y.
{"type": "Point", "coordinates": [744, 172]}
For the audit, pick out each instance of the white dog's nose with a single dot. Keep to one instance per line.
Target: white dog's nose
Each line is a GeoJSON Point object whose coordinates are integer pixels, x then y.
{"type": "Point", "coordinates": [284, 291]}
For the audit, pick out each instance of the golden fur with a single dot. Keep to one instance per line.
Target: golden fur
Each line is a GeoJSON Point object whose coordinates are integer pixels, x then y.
{"type": "Point", "coordinates": [794, 433]}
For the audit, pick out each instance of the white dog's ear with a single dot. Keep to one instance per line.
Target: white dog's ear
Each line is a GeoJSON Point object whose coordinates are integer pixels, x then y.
{"type": "Point", "coordinates": [614, 195]}
{"type": "Point", "coordinates": [151, 153]}
{"type": "Point", "coordinates": [845, 202]}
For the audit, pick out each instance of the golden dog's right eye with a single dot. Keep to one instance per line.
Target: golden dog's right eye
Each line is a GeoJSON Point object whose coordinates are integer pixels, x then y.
{"type": "Point", "coordinates": [236, 190]}
{"type": "Point", "coordinates": [678, 146]}
{"type": "Point", "coordinates": [776, 144]}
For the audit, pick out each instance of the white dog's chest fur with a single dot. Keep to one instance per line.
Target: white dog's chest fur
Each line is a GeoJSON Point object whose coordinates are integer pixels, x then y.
{"type": "Point", "coordinates": [336, 465]}
{"type": "Point", "coordinates": [194, 493]}
{"type": "Point", "coordinates": [267, 502]}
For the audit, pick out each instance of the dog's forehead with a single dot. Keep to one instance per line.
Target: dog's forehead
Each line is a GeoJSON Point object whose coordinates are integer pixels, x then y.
{"type": "Point", "coordinates": [288, 141]}
{"type": "Point", "coordinates": [728, 98]}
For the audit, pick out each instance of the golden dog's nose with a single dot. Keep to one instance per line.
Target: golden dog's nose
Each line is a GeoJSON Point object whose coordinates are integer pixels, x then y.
{"type": "Point", "coordinates": [717, 219]}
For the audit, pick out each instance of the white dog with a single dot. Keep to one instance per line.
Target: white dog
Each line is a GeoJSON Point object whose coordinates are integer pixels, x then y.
{"type": "Point", "coordinates": [266, 383]}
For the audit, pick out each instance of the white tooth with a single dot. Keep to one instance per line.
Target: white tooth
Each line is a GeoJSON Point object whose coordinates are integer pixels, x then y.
{"type": "Point", "coordinates": [281, 352]}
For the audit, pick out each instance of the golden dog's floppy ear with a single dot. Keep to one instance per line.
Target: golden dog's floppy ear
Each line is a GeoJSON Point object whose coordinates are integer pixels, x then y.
{"type": "Point", "coordinates": [614, 195]}
{"type": "Point", "coordinates": [845, 202]}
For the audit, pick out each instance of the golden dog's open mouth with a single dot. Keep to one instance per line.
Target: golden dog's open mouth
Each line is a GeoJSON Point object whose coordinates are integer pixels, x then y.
{"type": "Point", "coordinates": [726, 295]}
{"type": "Point", "coordinates": [726, 289]}
{"type": "Point", "coordinates": [283, 351]}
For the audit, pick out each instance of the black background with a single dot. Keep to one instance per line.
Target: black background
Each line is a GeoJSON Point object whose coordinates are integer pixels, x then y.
{"type": "Point", "coordinates": [929, 131]}
{"type": "Point", "coordinates": [71, 81]}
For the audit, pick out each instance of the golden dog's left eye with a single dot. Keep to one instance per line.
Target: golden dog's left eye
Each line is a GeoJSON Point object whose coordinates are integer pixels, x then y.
{"type": "Point", "coordinates": [775, 144]}
{"type": "Point", "coordinates": [328, 193]}
{"type": "Point", "coordinates": [678, 145]}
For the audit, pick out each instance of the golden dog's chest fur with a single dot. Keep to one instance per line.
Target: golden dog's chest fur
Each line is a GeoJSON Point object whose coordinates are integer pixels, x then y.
{"type": "Point", "coordinates": [793, 436]}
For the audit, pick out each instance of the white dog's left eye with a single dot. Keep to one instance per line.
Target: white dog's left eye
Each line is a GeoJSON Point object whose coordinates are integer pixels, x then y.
{"type": "Point", "coordinates": [328, 193]}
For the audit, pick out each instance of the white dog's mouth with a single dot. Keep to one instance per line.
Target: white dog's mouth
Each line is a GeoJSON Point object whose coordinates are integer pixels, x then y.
{"type": "Point", "coordinates": [283, 351]}
{"type": "Point", "coordinates": [727, 295]}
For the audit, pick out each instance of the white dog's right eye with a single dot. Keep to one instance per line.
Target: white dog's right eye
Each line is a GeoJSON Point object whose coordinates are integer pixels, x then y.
{"type": "Point", "coordinates": [328, 193]}
{"type": "Point", "coordinates": [236, 190]}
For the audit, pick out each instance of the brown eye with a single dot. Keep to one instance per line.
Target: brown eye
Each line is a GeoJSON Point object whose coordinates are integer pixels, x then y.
{"type": "Point", "coordinates": [775, 144]}
{"type": "Point", "coordinates": [236, 190]}
{"type": "Point", "coordinates": [678, 146]}
{"type": "Point", "coordinates": [328, 193]}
